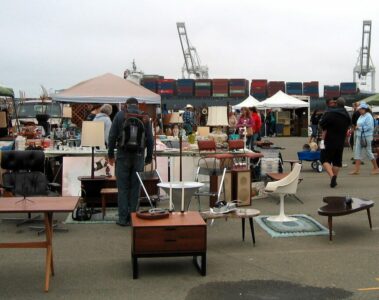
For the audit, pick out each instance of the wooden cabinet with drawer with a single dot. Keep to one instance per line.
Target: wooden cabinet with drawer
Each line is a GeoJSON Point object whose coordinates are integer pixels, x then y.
{"type": "Point", "coordinates": [178, 235]}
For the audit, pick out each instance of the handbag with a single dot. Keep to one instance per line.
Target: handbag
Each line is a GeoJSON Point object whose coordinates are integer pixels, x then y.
{"type": "Point", "coordinates": [249, 131]}
{"type": "Point", "coordinates": [363, 140]}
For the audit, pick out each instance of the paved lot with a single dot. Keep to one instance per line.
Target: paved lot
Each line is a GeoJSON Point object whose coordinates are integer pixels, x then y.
{"type": "Point", "coordinates": [93, 261]}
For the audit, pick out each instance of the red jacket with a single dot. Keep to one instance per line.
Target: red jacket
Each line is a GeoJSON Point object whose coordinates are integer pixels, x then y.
{"type": "Point", "coordinates": [256, 121]}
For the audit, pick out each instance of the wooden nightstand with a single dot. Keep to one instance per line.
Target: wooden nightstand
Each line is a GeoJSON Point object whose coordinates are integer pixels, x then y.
{"type": "Point", "coordinates": [178, 235]}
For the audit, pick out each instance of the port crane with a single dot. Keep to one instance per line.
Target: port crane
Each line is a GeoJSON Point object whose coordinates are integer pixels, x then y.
{"type": "Point", "coordinates": [364, 69]}
{"type": "Point", "coordinates": [192, 66]}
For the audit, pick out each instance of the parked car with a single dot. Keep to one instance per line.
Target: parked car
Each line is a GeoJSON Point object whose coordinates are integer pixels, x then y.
{"type": "Point", "coordinates": [29, 109]}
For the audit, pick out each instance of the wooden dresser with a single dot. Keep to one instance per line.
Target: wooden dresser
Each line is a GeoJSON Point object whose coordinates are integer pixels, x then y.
{"type": "Point", "coordinates": [178, 235]}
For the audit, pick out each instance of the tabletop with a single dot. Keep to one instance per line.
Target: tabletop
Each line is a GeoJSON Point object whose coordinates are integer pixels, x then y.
{"type": "Point", "coordinates": [188, 218]}
{"type": "Point", "coordinates": [37, 204]}
{"type": "Point", "coordinates": [336, 206]}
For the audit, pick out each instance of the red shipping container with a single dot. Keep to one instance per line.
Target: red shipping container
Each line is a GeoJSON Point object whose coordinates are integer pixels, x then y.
{"type": "Point", "coordinates": [275, 86]}
{"type": "Point", "coordinates": [220, 87]}
{"type": "Point", "coordinates": [258, 86]}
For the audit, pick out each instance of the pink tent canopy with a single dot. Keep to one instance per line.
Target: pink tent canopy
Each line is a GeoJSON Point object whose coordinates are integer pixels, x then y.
{"type": "Point", "coordinates": [107, 88]}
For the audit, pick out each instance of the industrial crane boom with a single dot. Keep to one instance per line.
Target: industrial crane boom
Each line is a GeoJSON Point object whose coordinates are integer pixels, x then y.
{"type": "Point", "coordinates": [192, 65]}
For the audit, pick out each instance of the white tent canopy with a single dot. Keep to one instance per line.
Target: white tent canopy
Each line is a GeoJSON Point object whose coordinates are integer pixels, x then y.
{"type": "Point", "coordinates": [248, 102]}
{"type": "Point", "coordinates": [107, 88]}
{"type": "Point", "coordinates": [282, 100]}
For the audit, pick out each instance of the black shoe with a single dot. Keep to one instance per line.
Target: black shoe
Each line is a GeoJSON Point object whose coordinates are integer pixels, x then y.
{"type": "Point", "coordinates": [123, 224]}
{"type": "Point", "coordinates": [333, 181]}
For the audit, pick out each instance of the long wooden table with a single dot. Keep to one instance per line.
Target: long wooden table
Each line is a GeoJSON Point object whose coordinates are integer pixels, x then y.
{"type": "Point", "coordinates": [47, 206]}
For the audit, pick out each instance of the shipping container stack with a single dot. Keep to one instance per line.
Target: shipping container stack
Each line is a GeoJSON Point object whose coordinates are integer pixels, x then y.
{"type": "Point", "coordinates": [311, 89]}
{"type": "Point", "coordinates": [275, 86]}
{"type": "Point", "coordinates": [348, 88]}
{"type": "Point", "coordinates": [203, 88]}
{"type": "Point", "coordinates": [220, 87]}
{"type": "Point", "coordinates": [238, 88]}
{"type": "Point", "coordinates": [331, 91]}
{"type": "Point", "coordinates": [258, 89]}
{"type": "Point", "coordinates": [166, 87]}
{"type": "Point", "coordinates": [185, 87]}
{"type": "Point", "coordinates": [150, 83]}
{"type": "Point", "coordinates": [294, 88]}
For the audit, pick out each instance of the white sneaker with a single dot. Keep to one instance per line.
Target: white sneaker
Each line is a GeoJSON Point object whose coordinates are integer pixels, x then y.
{"type": "Point", "coordinates": [322, 144]}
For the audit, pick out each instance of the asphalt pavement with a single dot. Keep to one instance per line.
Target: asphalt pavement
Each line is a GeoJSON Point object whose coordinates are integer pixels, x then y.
{"type": "Point", "coordinates": [93, 261]}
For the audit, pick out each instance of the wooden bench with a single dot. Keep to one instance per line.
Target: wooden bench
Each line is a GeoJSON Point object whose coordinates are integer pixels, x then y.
{"type": "Point", "coordinates": [105, 192]}
{"type": "Point", "coordinates": [241, 213]}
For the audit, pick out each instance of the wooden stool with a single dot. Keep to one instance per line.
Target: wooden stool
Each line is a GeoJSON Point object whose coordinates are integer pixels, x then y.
{"type": "Point", "coordinates": [104, 193]}
{"type": "Point", "coordinates": [241, 213]}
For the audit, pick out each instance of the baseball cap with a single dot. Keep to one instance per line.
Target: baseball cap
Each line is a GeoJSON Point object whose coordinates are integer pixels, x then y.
{"type": "Point", "coordinates": [363, 105]}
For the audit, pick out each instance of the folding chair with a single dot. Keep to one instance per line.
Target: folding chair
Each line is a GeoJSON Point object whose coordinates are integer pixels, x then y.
{"type": "Point", "coordinates": [150, 193]}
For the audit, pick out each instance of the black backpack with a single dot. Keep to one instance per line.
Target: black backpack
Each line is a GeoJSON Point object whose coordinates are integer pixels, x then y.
{"type": "Point", "coordinates": [133, 136]}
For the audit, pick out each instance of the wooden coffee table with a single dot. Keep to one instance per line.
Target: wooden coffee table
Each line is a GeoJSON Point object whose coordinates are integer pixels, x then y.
{"type": "Point", "coordinates": [46, 205]}
{"type": "Point", "coordinates": [181, 234]}
{"type": "Point", "coordinates": [336, 206]}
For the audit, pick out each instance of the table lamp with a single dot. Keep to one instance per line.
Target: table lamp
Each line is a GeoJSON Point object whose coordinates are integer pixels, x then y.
{"type": "Point", "coordinates": [93, 136]}
{"type": "Point", "coordinates": [176, 118]}
{"type": "Point", "coordinates": [218, 117]}
{"type": "Point", "coordinates": [66, 115]}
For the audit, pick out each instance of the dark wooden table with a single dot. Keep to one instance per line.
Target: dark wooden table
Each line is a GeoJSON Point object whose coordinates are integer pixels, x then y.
{"type": "Point", "coordinates": [47, 206]}
{"type": "Point", "coordinates": [181, 234]}
{"type": "Point", "coordinates": [336, 206]}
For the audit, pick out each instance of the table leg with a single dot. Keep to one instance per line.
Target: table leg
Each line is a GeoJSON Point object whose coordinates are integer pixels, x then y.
{"type": "Point", "coordinates": [252, 229]}
{"type": "Point", "coordinates": [202, 268]}
{"type": "Point", "coordinates": [135, 266]}
{"type": "Point", "coordinates": [330, 224]}
{"type": "Point", "coordinates": [243, 228]}
{"type": "Point", "coordinates": [369, 217]}
{"type": "Point", "coordinates": [103, 204]}
{"type": "Point", "coordinates": [49, 269]}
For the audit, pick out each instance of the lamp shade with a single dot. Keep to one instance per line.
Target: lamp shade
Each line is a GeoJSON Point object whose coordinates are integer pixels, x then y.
{"type": "Point", "coordinates": [93, 134]}
{"type": "Point", "coordinates": [67, 112]}
{"type": "Point", "coordinates": [176, 118]}
{"type": "Point", "coordinates": [217, 116]}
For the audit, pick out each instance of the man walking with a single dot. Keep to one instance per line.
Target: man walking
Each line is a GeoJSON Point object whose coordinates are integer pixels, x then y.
{"type": "Point", "coordinates": [335, 123]}
{"type": "Point", "coordinates": [131, 141]}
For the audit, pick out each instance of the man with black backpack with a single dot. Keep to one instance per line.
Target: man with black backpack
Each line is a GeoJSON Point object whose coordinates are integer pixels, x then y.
{"type": "Point", "coordinates": [131, 133]}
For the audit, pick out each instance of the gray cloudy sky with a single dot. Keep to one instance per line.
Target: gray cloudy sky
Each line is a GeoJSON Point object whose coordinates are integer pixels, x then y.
{"type": "Point", "coordinates": [59, 43]}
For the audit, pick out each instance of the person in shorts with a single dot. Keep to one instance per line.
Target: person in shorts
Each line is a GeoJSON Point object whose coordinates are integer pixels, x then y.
{"type": "Point", "coordinates": [334, 123]}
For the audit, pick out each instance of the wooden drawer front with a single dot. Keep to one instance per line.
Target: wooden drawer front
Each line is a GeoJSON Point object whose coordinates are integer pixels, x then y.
{"type": "Point", "coordinates": [162, 239]}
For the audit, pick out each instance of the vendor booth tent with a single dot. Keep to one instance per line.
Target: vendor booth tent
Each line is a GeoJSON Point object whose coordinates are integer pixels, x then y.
{"type": "Point", "coordinates": [372, 100]}
{"type": "Point", "coordinates": [248, 102]}
{"type": "Point", "coordinates": [282, 100]}
{"type": "Point", "coordinates": [6, 92]}
{"type": "Point", "coordinates": [107, 88]}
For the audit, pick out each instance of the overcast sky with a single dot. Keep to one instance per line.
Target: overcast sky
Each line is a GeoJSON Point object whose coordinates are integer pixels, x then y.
{"type": "Point", "coordinates": [59, 43]}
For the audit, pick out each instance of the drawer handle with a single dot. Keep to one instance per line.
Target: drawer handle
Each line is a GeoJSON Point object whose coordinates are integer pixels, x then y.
{"type": "Point", "coordinates": [170, 228]}
{"type": "Point", "coordinates": [168, 240]}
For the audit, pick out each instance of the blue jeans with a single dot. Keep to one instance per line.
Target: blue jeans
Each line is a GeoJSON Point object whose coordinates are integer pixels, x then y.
{"type": "Point", "coordinates": [128, 184]}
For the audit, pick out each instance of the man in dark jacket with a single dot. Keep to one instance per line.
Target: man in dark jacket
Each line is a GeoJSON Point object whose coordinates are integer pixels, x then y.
{"type": "Point", "coordinates": [335, 122]}
{"type": "Point", "coordinates": [128, 163]}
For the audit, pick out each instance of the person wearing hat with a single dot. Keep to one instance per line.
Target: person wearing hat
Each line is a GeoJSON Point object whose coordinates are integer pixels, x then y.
{"type": "Point", "coordinates": [128, 162]}
{"type": "Point", "coordinates": [334, 124]}
{"type": "Point", "coordinates": [188, 119]}
{"type": "Point", "coordinates": [364, 131]}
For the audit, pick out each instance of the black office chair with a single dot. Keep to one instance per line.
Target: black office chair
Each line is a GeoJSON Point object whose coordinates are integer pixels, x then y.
{"type": "Point", "coordinates": [24, 177]}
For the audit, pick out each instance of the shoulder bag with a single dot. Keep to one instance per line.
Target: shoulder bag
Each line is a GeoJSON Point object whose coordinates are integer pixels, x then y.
{"type": "Point", "coordinates": [363, 140]}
